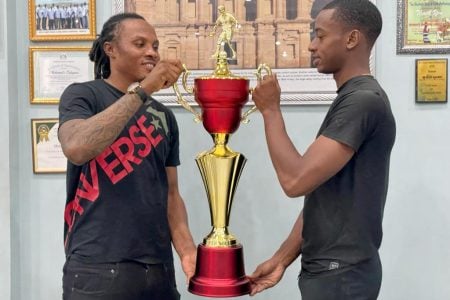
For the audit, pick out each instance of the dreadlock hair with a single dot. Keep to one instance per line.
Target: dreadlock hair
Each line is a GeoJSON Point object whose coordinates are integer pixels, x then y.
{"type": "Point", "coordinates": [109, 32]}
{"type": "Point", "coordinates": [360, 14]}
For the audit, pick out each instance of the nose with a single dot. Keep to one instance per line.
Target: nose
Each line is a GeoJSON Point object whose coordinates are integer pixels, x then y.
{"type": "Point", "coordinates": [312, 45]}
{"type": "Point", "coordinates": [151, 51]}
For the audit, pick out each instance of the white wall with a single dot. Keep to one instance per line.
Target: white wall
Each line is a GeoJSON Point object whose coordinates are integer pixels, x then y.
{"type": "Point", "coordinates": [5, 215]}
{"type": "Point", "coordinates": [415, 250]}
{"type": "Point", "coordinates": [415, 247]}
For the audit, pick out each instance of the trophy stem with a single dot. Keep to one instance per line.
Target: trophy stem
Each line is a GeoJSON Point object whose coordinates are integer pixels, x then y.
{"type": "Point", "coordinates": [221, 148]}
{"type": "Point", "coordinates": [221, 169]}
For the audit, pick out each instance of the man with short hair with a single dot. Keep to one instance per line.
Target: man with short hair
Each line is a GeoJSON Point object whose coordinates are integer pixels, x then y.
{"type": "Point", "coordinates": [344, 173]}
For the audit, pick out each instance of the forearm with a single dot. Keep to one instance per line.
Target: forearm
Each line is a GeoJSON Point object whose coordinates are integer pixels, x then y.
{"type": "Point", "coordinates": [285, 157]}
{"type": "Point", "coordinates": [290, 249]}
{"type": "Point", "coordinates": [83, 140]}
{"type": "Point", "coordinates": [179, 228]}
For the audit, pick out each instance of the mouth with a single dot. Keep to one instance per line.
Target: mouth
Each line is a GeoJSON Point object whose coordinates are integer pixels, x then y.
{"type": "Point", "coordinates": [315, 60]}
{"type": "Point", "coordinates": [149, 66]}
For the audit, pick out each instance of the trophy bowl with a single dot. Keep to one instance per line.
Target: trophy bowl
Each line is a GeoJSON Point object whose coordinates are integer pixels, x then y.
{"type": "Point", "coordinates": [221, 101]}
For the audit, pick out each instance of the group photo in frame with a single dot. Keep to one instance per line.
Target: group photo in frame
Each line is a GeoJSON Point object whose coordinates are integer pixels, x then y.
{"type": "Point", "coordinates": [61, 20]}
{"type": "Point", "coordinates": [431, 80]}
{"type": "Point", "coordinates": [423, 27]}
{"type": "Point", "coordinates": [47, 153]}
{"type": "Point", "coordinates": [52, 69]}
{"type": "Point", "coordinates": [276, 33]}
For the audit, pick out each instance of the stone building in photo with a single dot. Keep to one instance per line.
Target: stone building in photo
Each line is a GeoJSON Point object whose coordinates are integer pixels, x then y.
{"type": "Point", "coordinates": [275, 32]}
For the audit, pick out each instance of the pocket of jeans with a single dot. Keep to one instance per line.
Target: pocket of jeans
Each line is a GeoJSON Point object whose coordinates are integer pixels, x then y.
{"type": "Point", "coordinates": [91, 281]}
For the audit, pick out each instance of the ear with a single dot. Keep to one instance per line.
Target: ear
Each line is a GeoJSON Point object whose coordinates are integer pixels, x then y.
{"type": "Point", "coordinates": [353, 39]}
{"type": "Point", "coordinates": [109, 49]}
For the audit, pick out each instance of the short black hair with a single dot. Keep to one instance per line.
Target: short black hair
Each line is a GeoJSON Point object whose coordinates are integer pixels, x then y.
{"type": "Point", "coordinates": [109, 32]}
{"type": "Point", "coordinates": [360, 14]}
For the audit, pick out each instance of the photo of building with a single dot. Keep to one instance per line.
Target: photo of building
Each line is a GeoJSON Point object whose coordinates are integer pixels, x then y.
{"type": "Point", "coordinates": [276, 32]}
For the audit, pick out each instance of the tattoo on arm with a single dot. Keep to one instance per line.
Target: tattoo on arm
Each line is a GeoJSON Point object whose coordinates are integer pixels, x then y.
{"type": "Point", "coordinates": [90, 137]}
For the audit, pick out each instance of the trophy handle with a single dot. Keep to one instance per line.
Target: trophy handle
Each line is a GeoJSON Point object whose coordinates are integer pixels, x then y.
{"type": "Point", "coordinates": [258, 72]}
{"type": "Point", "coordinates": [190, 90]}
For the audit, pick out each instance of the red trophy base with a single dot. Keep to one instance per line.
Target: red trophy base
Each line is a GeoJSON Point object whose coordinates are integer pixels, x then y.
{"type": "Point", "coordinates": [219, 272]}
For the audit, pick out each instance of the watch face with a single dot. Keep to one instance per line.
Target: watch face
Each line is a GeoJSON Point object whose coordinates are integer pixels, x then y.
{"type": "Point", "coordinates": [132, 88]}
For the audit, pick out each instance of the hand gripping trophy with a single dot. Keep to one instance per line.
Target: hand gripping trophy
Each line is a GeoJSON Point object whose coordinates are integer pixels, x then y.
{"type": "Point", "coordinates": [221, 97]}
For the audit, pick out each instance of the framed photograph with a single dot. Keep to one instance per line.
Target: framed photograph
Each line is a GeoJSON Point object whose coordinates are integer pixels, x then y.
{"type": "Point", "coordinates": [61, 20]}
{"type": "Point", "coordinates": [52, 69]}
{"type": "Point", "coordinates": [277, 35]}
{"type": "Point", "coordinates": [431, 80]}
{"type": "Point", "coordinates": [48, 156]}
{"type": "Point", "coordinates": [423, 27]}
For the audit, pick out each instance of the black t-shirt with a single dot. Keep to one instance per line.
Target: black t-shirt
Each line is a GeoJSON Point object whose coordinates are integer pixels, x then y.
{"type": "Point", "coordinates": [116, 206]}
{"type": "Point", "coordinates": [343, 216]}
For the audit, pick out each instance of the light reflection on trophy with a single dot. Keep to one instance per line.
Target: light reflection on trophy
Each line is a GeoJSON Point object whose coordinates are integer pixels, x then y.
{"type": "Point", "coordinates": [221, 96]}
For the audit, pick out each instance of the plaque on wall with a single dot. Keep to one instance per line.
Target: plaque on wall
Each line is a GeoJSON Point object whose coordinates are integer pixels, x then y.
{"type": "Point", "coordinates": [431, 80]}
{"type": "Point", "coordinates": [48, 156]}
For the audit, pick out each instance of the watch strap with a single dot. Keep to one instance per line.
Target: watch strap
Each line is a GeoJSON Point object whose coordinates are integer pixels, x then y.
{"type": "Point", "coordinates": [141, 93]}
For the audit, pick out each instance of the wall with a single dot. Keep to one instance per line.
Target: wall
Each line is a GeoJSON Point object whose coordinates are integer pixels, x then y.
{"type": "Point", "coordinates": [5, 215]}
{"type": "Point", "coordinates": [416, 223]}
{"type": "Point", "coordinates": [415, 246]}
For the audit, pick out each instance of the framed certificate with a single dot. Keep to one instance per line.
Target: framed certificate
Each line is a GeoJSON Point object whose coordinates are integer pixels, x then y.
{"type": "Point", "coordinates": [48, 156]}
{"type": "Point", "coordinates": [431, 80]}
{"type": "Point", "coordinates": [52, 69]}
{"type": "Point", "coordinates": [61, 20]}
{"type": "Point", "coordinates": [423, 26]}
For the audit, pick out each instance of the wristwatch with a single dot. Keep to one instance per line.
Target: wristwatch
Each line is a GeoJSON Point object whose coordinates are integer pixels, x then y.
{"type": "Point", "coordinates": [136, 88]}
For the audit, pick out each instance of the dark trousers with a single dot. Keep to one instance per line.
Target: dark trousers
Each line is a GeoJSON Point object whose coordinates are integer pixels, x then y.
{"type": "Point", "coordinates": [361, 282]}
{"type": "Point", "coordinates": [119, 281]}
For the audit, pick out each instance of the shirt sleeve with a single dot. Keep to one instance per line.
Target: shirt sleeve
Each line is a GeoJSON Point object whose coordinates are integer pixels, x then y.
{"type": "Point", "coordinates": [76, 102]}
{"type": "Point", "coordinates": [355, 118]}
{"type": "Point", "coordinates": [173, 159]}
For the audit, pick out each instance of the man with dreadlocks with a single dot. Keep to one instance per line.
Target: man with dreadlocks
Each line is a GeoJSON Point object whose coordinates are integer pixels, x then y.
{"type": "Point", "coordinates": [344, 172]}
{"type": "Point", "coordinates": [123, 208]}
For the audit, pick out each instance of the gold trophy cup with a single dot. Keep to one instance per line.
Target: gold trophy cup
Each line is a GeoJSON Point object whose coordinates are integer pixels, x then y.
{"type": "Point", "coordinates": [221, 96]}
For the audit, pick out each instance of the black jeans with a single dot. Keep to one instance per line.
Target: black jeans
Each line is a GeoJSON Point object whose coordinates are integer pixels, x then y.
{"type": "Point", "coordinates": [119, 281]}
{"type": "Point", "coordinates": [361, 282]}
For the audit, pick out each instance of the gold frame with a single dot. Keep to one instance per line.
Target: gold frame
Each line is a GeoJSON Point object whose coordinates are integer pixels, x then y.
{"type": "Point", "coordinates": [431, 80]}
{"type": "Point", "coordinates": [62, 34]}
{"type": "Point", "coordinates": [39, 99]}
{"type": "Point", "coordinates": [37, 169]}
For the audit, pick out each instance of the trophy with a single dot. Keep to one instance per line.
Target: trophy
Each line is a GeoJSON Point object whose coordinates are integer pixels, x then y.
{"type": "Point", "coordinates": [221, 97]}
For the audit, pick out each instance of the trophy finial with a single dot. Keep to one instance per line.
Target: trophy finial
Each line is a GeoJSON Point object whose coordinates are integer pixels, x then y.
{"type": "Point", "coordinates": [228, 23]}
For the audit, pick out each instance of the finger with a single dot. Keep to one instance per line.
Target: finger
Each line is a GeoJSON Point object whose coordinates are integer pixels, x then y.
{"type": "Point", "coordinates": [255, 275]}
{"type": "Point", "coordinates": [175, 63]}
{"type": "Point", "coordinates": [257, 289]}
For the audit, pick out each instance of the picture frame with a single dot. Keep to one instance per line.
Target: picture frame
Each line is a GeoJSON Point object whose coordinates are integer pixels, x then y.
{"type": "Point", "coordinates": [52, 69]}
{"type": "Point", "coordinates": [423, 27]}
{"type": "Point", "coordinates": [61, 20]}
{"type": "Point", "coordinates": [288, 56]}
{"type": "Point", "coordinates": [431, 80]}
{"type": "Point", "coordinates": [47, 153]}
